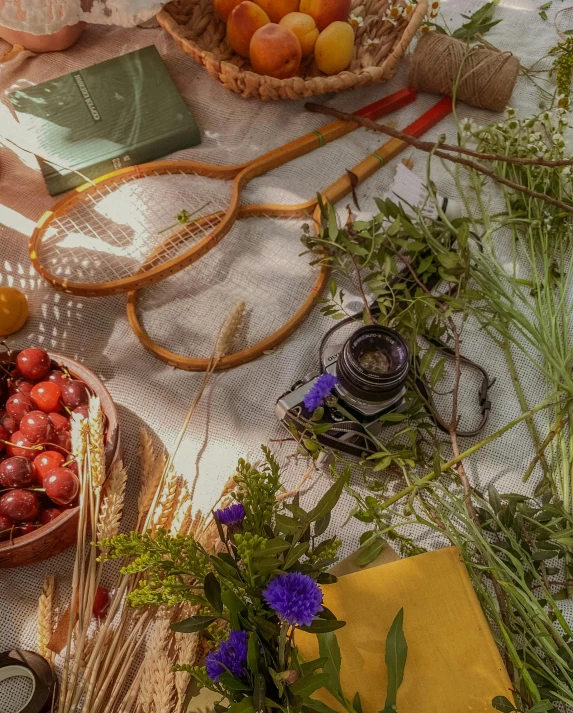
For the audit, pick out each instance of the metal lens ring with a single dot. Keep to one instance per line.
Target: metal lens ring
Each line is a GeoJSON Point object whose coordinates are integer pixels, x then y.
{"type": "Point", "coordinates": [354, 372]}
{"type": "Point", "coordinates": [30, 665]}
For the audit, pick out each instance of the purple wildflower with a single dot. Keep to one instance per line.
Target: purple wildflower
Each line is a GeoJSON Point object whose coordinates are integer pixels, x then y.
{"type": "Point", "coordinates": [233, 515]}
{"type": "Point", "coordinates": [321, 390]}
{"type": "Point", "coordinates": [231, 654]}
{"type": "Point", "coordinates": [294, 597]}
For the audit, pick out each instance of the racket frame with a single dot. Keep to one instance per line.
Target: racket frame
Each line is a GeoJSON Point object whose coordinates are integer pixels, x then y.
{"type": "Point", "coordinates": [240, 174]}
{"type": "Point", "coordinates": [334, 193]}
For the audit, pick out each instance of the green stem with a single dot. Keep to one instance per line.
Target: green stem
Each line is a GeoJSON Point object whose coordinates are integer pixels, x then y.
{"type": "Point", "coordinates": [282, 644]}
{"type": "Point", "coordinates": [476, 447]}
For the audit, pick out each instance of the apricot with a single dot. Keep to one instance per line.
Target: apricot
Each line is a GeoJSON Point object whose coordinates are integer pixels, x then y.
{"type": "Point", "coordinates": [243, 22]}
{"type": "Point", "coordinates": [304, 28]}
{"type": "Point", "coordinates": [13, 310]}
{"type": "Point", "coordinates": [277, 9]}
{"type": "Point", "coordinates": [275, 51]}
{"type": "Point", "coordinates": [223, 8]}
{"type": "Point", "coordinates": [334, 47]}
{"type": "Point", "coordinates": [324, 12]}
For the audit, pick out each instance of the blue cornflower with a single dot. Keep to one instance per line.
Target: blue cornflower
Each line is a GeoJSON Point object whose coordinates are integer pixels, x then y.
{"type": "Point", "coordinates": [231, 654]}
{"type": "Point", "coordinates": [233, 515]}
{"type": "Point", "coordinates": [294, 597]}
{"type": "Point", "coordinates": [321, 390]}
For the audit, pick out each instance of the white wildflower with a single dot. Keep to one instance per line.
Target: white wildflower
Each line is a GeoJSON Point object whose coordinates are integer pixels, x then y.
{"type": "Point", "coordinates": [509, 112]}
{"type": "Point", "coordinates": [356, 21]}
{"type": "Point", "coordinates": [371, 42]}
{"type": "Point", "coordinates": [393, 14]}
{"type": "Point", "coordinates": [567, 171]}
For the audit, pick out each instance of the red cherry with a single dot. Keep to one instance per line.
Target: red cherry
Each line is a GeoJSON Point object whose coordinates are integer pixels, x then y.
{"type": "Point", "coordinates": [7, 422]}
{"type": "Point", "coordinates": [26, 528]}
{"type": "Point", "coordinates": [46, 462]}
{"type": "Point", "coordinates": [20, 505]}
{"type": "Point", "coordinates": [62, 442]}
{"type": "Point", "coordinates": [73, 466]}
{"type": "Point", "coordinates": [18, 405]}
{"type": "Point", "coordinates": [83, 411]}
{"type": "Point", "coordinates": [58, 377]}
{"type": "Point", "coordinates": [101, 603]}
{"type": "Point", "coordinates": [4, 436]}
{"type": "Point", "coordinates": [16, 472]}
{"type": "Point", "coordinates": [74, 394]}
{"type": "Point", "coordinates": [21, 446]}
{"type": "Point", "coordinates": [33, 363]}
{"type": "Point", "coordinates": [21, 386]}
{"type": "Point", "coordinates": [37, 427]}
{"type": "Point", "coordinates": [61, 486]}
{"type": "Point", "coordinates": [49, 514]}
{"type": "Point", "coordinates": [46, 395]}
{"type": "Point", "coordinates": [60, 423]}
{"type": "Point", "coordinates": [6, 525]}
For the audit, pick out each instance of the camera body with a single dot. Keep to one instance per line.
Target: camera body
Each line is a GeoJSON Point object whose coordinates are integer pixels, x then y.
{"type": "Point", "coordinates": [371, 366]}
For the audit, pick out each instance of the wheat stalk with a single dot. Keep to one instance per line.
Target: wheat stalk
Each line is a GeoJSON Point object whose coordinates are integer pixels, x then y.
{"type": "Point", "coordinates": [96, 443]}
{"type": "Point", "coordinates": [151, 672]}
{"type": "Point", "coordinates": [112, 506]}
{"type": "Point", "coordinates": [151, 480]}
{"type": "Point", "coordinates": [230, 330]}
{"type": "Point", "coordinates": [45, 615]}
{"type": "Point", "coordinates": [168, 501]}
{"type": "Point", "coordinates": [164, 693]}
{"type": "Point", "coordinates": [182, 516]}
{"type": "Point", "coordinates": [187, 648]}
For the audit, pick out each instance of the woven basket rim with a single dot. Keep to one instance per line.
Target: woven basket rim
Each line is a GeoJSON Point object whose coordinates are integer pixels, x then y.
{"type": "Point", "coordinates": [299, 86]}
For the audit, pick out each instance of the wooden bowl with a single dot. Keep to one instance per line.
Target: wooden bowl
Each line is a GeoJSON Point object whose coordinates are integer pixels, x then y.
{"type": "Point", "coordinates": [58, 535]}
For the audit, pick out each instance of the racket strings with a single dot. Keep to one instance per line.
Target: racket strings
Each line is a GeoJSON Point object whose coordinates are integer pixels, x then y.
{"type": "Point", "coordinates": [260, 262]}
{"type": "Point", "coordinates": [111, 233]}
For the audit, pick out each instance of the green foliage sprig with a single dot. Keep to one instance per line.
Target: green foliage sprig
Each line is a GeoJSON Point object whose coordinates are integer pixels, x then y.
{"type": "Point", "coordinates": [255, 664]}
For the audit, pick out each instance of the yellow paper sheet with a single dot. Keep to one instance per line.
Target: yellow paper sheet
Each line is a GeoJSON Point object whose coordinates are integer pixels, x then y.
{"type": "Point", "coordinates": [453, 664]}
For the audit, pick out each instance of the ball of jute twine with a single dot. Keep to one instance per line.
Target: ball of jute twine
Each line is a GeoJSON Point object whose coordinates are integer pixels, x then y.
{"type": "Point", "coordinates": [484, 78]}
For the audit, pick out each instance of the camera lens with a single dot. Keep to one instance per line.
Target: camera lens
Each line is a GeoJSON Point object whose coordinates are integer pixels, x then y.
{"type": "Point", "coordinates": [373, 364]}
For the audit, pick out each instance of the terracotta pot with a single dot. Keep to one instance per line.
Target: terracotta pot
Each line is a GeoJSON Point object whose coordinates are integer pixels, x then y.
{"type": "Point", "coordinates": [60, 534]}
{"type": "Point", "coordinates": [57, 41]}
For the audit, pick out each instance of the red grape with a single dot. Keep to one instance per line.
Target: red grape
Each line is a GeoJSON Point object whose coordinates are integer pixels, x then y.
{"type": "Point", "coordinates": [20, 505]}
{"type": "Point", "coordinates": [61, 486]}
{"type": "Point", "coordinates": [26, 528]}
{"type": "Point", "coordinates": [73, 466]}
{"type": "Point", "coordinates": [37, 427]}
{"type": "Point", "coordinates": [7, 422]}
{"type": "Point", "coordinates": [6, 526]}
{"type": "Point", "coordinates": [62, 442]}
{"type": "Point", "coordinates": [101, 603]}
{"type": "Point", "coordinates": [16, 472]}
{"type": "Point", "coordinates": [58, 377]}
{"type": "Point", "coordinates": [18, 405]}
{"type": "Point", "coordinates": [21, 446]}
{"type": "Point", "coordinates": [46, 395]}
{"type": "Point", "coordinates": [46, 462]}
{"type": "Point", "coordinates": [33, 363]}
{"type": "Point", "coordinates": [49, 514]}
{"type": "Point", "coordinates": [21, 386]}
{"type": "Point", "coordinates": [83, 411]}
{"type": "Point", "coordinates": [60, 423]}
{"type": "Point", "coordinates": [74, 394]}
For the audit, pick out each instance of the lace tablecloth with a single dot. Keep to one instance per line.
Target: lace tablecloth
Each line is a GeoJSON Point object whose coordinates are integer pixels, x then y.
{"type": "Point", "coordinates": [240, 409]}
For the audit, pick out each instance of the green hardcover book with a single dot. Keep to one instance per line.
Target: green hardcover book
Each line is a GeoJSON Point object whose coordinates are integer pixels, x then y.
{"type": "Point", "coordinates": [114, 114]}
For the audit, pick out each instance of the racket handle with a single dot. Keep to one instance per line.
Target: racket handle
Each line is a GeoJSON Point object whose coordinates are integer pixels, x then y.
{"type": "Point", "coordinates": [389, 150]}
{"type": "Point", "coordinates": [387, 105]}
{"type": "Point", "coordinates": [320, 137]}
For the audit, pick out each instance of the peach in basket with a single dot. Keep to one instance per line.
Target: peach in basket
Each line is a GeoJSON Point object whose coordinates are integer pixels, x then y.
{"type": "Point", "coordinates": [383, 30]}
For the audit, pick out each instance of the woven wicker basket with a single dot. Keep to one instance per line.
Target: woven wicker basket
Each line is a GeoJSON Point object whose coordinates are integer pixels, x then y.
{"type": "Point", "coordinates": [201, 34]}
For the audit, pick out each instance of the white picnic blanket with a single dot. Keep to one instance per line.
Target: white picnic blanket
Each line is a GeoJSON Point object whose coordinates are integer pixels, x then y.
{"type": "Point", "coordinates": [239, 412]}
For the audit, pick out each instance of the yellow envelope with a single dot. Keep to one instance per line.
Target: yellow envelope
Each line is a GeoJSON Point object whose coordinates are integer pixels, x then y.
{"type": "Point", "coordinates": [453, 663]}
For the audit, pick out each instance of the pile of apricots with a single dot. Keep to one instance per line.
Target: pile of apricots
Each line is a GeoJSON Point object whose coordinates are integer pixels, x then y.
{"type": "Point", "coordinates": [278, 35]}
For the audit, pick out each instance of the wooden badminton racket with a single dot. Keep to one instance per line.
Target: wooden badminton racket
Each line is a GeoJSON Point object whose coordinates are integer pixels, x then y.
{"type": "Point", "coordinates": [96, 239]}
{"type": "Point", "coordinates": [178, 315]}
